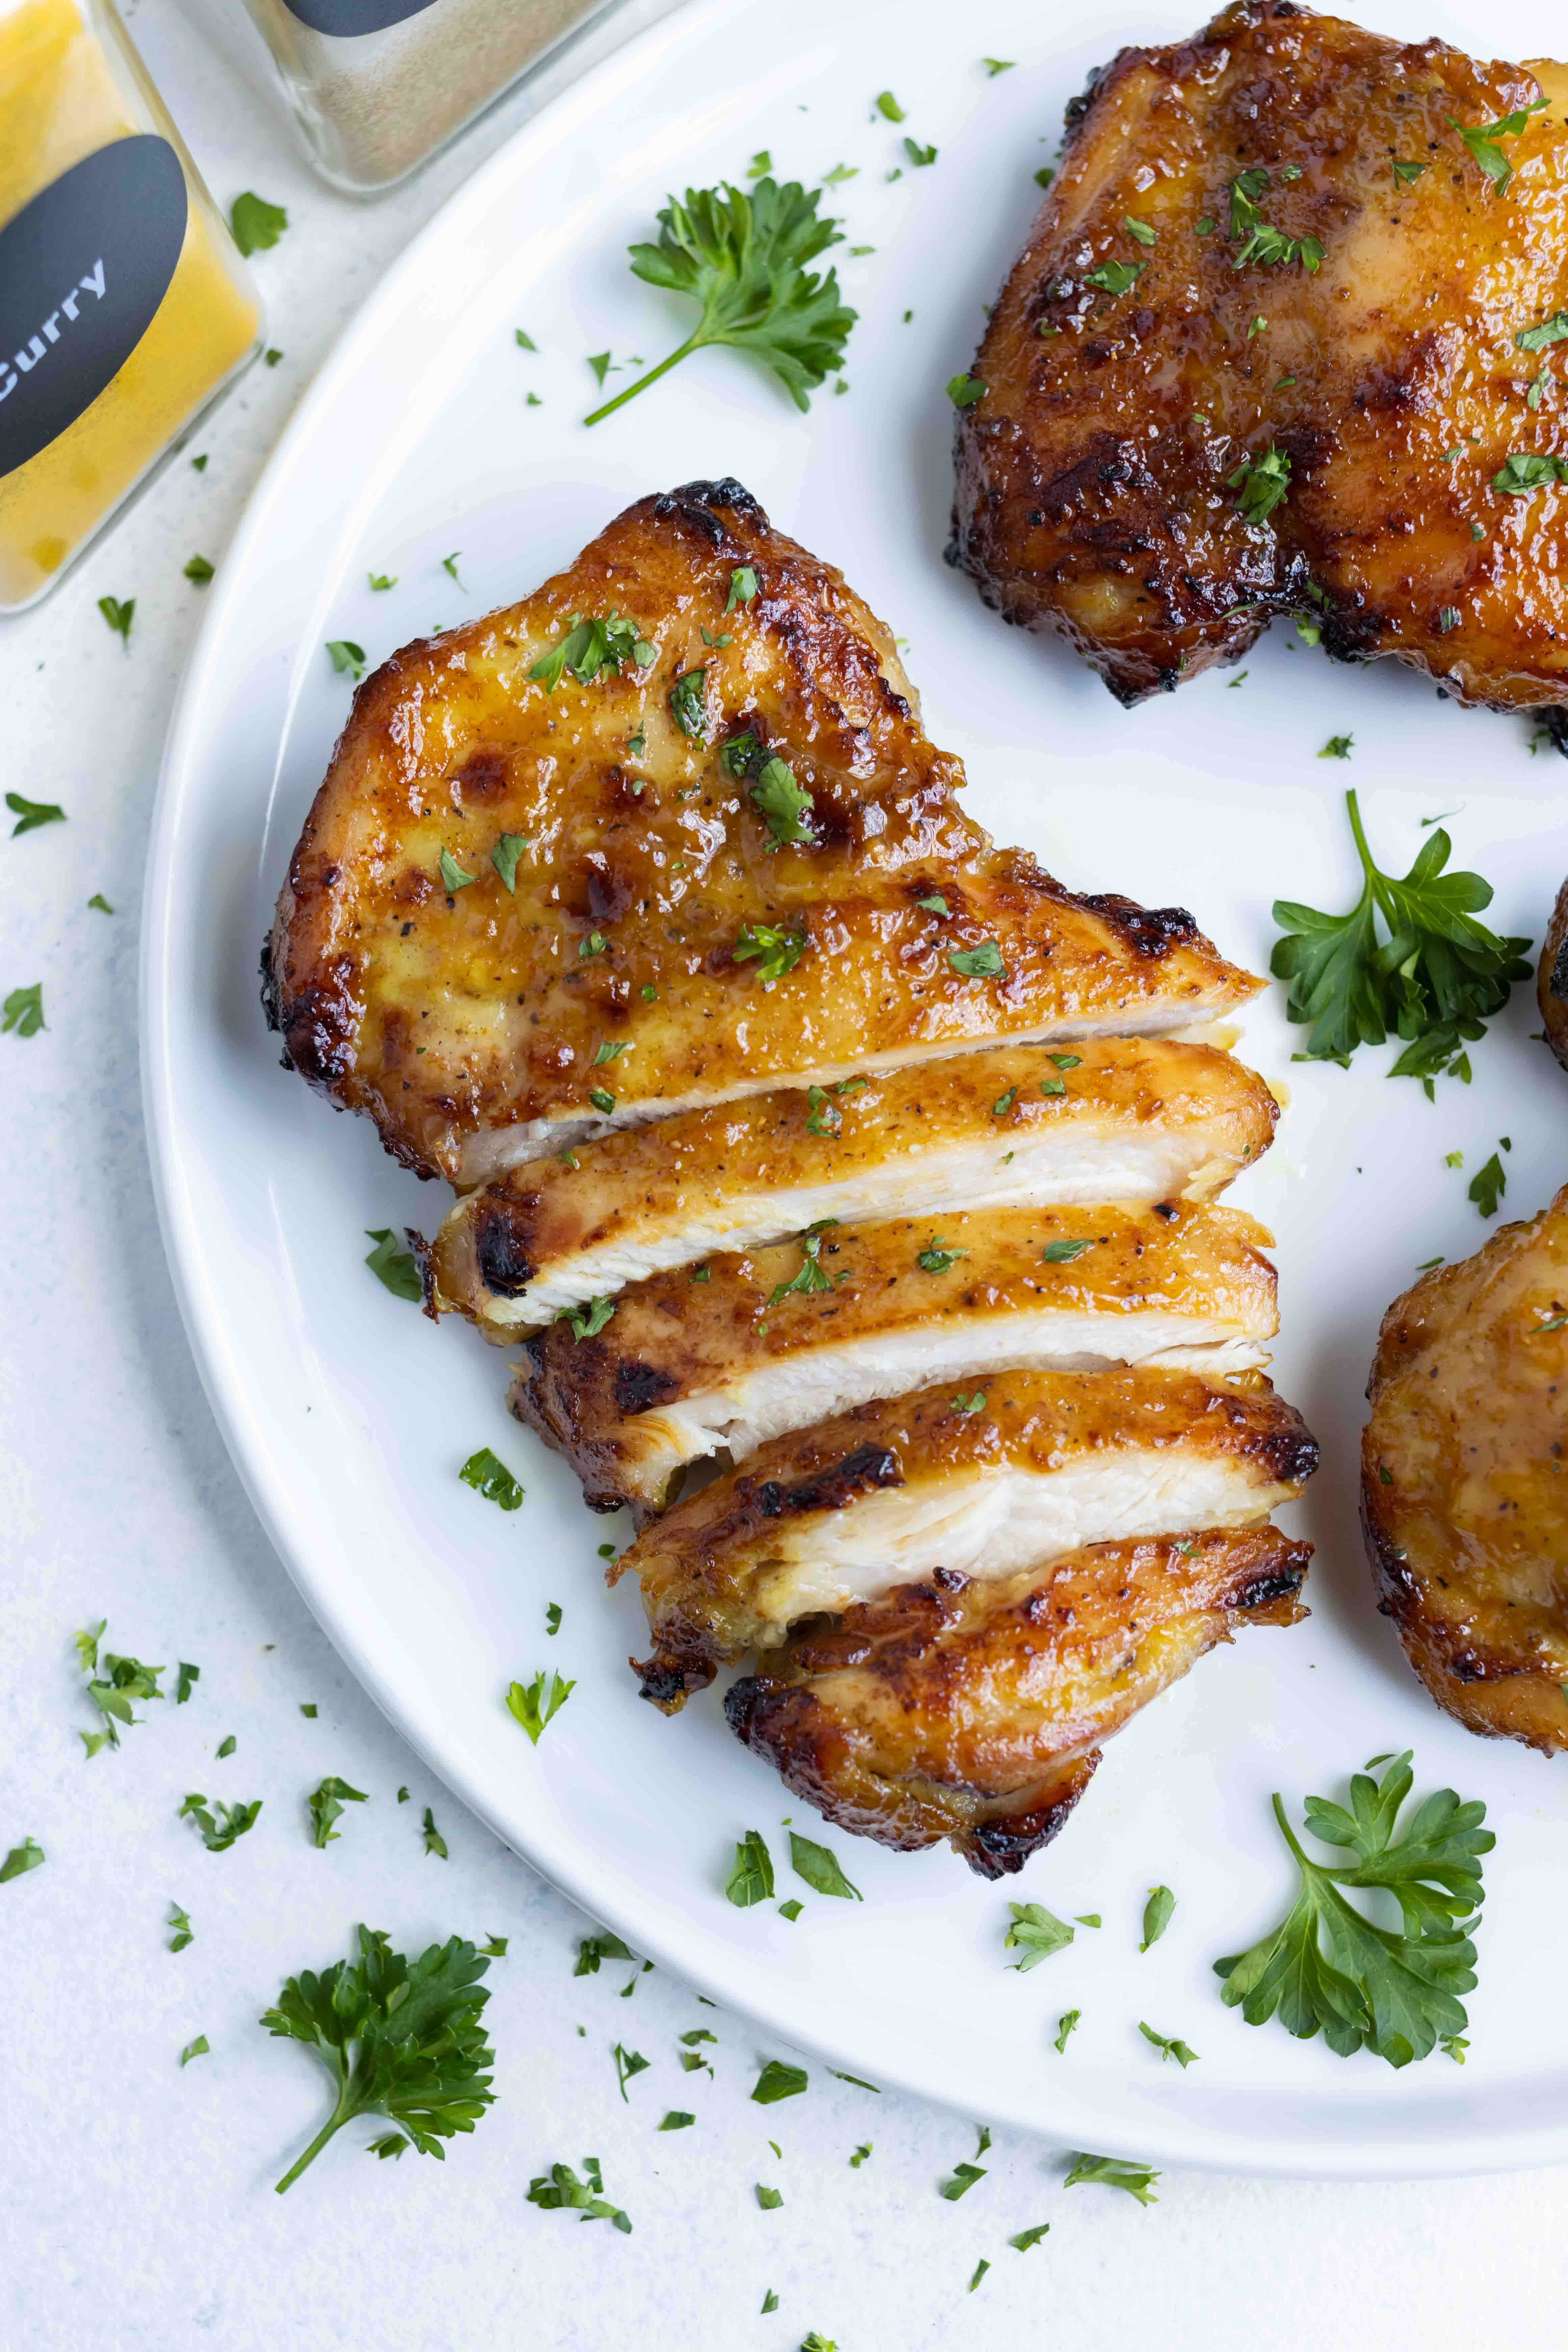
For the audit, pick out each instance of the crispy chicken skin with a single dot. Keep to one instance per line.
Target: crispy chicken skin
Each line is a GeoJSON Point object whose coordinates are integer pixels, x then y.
{"type": "Point", "coordinates": [470, 1019]}
{"type": "Point", "coordinates": [1552, 979]}
{"type": "Point", "coordinates": [1094, 493]}
{"type": "Point", "coordinates": [772, 1339]}
{"type": "Point", "coordinates": [1124, 1119]}
{"type": "Point", "coordinates": [975, 1711]}
{"type": "Point", "coordinates": [1463, 1500]}
{"type": "Point", "coordinates": [1034, 1466]}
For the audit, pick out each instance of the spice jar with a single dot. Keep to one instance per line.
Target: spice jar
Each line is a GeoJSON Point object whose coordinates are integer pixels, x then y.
{"type": "Point", "coordinates": [125, 307]}
{"type": "Point", "coordinates": [376, 85]}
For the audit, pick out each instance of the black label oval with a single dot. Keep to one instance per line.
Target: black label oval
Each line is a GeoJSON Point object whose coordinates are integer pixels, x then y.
{"type": "Point", "coordinates": [83, 269]}
{"type": "Point", "coordinates": [344, 19]}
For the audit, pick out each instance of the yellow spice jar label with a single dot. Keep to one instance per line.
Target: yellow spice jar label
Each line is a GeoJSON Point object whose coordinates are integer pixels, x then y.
{"type": "Point", "coordinates": [122, 310]}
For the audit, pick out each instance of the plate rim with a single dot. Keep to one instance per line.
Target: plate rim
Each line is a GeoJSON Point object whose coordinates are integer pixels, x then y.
{"type": "Point", "coordinates": [1195, 2141]}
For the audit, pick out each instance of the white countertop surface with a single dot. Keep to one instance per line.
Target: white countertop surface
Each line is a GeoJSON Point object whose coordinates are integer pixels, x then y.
{"type": "Point", "coordinates": [136, 2197]}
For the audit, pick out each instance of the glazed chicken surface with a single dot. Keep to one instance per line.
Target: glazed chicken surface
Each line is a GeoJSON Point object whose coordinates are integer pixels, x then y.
{"type": "Point", "coordinates": [984, 1484]}
{"type": "Point", "coordinates": [974, 1709]}
{"type": "Point", "coordinates": [812, 1147]}
{"type": "Point", "coordinates": [1279, 340]}
{"type": "Point", "coordinates": [750, 1345]}
{"type": "Point", "coordinates": [1463, 1500]}
{"type": "Point", "coordinates": [1552, 979]}
{"type": "Point", "coordinates": [555, 881]}
{"type": "Point", "coordinates": [1125, 1120]}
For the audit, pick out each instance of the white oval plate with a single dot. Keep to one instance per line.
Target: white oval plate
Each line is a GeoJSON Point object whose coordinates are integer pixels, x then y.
{"type": "Point", "coordinates": [348, 1414]}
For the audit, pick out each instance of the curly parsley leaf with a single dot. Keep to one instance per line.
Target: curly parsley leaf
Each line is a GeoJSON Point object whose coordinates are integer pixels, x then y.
{"type": "Point", "coordinates": [742, 255]}
{"type": "Point", "coordinates": [1433, 982]}
{"type": "Point", "coordinates": [537, 1705]}
{"type": "Point", "coordinates": [487, 1474]}
{"type": "Point", "coordinates": [1114, 2172]}
{"type": "Point", "coordinates": [327, 1804]}
{"type": "Point", "coordinates": [401, 2041]}
{"type": "Point", "coordinates": [1327, 1967]}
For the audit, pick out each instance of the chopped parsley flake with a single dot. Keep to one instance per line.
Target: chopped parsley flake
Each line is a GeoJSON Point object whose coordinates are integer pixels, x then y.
{"type": "Point", "coordinates": [488, 1477]}
{"type": "Point", "coordinates": [984, 963]}
{"type": "Point", "coordinates": [777, 950]}
{"type": "Point", "coordinates": [536, 1705]}
{"type": "Point", "coordinates": [588, 1319]}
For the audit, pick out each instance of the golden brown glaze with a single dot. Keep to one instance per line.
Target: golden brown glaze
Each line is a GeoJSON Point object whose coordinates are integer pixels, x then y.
{"type": "Point", "coordinates": [469, 1022]}
{"type": "Point", "coordinates": [1552, 979]}
{"type": "Point", "coordinates": [1464, 1485]}
{"type": "Point", "coordinates": [1135, 1118]}
{"type": "Point", "coordinates": [745, 1353]}
{"type": "Point", "coordinates": [1093, 497]}
{"type": "Point", "coordinates": [976, 1711]}
{"type": "Point", "coordinates": [1035, 1464]}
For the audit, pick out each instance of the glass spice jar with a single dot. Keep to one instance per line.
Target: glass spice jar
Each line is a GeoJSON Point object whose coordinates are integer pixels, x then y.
{"type": "Point", "coordinates": [376, 85]}
{"type": "Point", "coordinates": [125, 309]}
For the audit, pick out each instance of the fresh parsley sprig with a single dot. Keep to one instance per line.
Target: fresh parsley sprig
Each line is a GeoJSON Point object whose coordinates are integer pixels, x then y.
{"type": "Point", "coordinates": [1392, 1991]}
{"type": "Point", "coordinates": [743, 253]}
{"type": "Point", "coordinates": [1433, 982]}
{"type": "Point", "coordinates": [396, 2040]}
